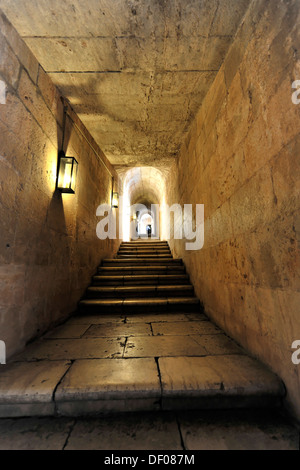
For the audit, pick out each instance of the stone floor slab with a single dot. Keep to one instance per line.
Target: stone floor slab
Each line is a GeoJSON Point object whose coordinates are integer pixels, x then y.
{"type": "Point", "coordinates": [196, 317]}
{"type": "Point", "coordinates": [95, 319]}
{"type": "Point", "coordinates": [238, 430]}
{"type": "Point", "coordinates": [159, 317]}
{"type": "Point", "coordinates": [218, 344]}
{"type": "Point", "coordinates": [159, 346]}
{"type": "Point", "coordinates": [27, 388]}
{"type": "Point", "coordinates": [204, 430]}
{"type": "Point", "coordinates": [34, 433]}
{"type": "Point", "coordinates": [67, 331]}
{"type": "Point", "coordinates": [243, 373]}
{"type": "Point", "coordinates": [106, 378]}
{"type": "Point", "coordinates": [217, 376]}
{"type": "Point", "coordinates": [188, 328]}
{"type": "Point", "coordinates": [70, 349]}
{"type": "Point", "coordinates": [115, 330]}
{"type": "Point", "coordinates": [136, 432]}
{"type": "Point", "coordinates": [94, 386]}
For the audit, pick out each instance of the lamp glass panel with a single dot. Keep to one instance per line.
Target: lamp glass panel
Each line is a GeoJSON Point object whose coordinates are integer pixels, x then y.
{"type": "Point", "coordinates": [74, 175]}
{"type": "Point", "coordinates": [67, 174]}
{"type": "Point", "coordinates": [115, 200]}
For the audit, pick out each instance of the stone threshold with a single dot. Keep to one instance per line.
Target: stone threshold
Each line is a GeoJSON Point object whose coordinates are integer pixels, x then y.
{"type": "Point", "coordinates": [98, 386]}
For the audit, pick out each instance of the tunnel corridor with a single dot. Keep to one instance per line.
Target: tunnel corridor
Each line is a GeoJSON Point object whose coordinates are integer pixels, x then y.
{"type": "Point", "coordinates": [149, 206]}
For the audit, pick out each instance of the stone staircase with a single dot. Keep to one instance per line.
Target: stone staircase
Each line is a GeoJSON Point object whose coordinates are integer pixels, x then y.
{"type": "Point", "coordinates": [140, 342]}
{"type": "Point", "coordinates": [144, 275]}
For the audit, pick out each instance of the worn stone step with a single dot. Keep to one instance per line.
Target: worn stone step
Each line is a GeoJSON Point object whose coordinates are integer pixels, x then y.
{"type": "Point", "coordinates": [86, 387]}
{"type": "Point", "coordinates": [144, 250]}
{"type": "Point", "coordinates": [136, 305]}
{"type": "Point", "coordinates": [141, 261]}
{"type": "Point", "coordinates": [147, 246]}
{"type": "Point", "coordinates": [137, 246]}
{"type": "Point", "coordinates": [186, 384]}
{"type": "Point", "coordinates": [150, 251]}
{"type": "Point", "coordinates": [144, 256]}
{"type": "Point", "coordinates": [150, 279]}
{"type": "Point", "coordinates": [124, 292]}
{"type": "Point", "coordinates": [146, 241]}
{"type": "Point", "coordinates": [141, 270]}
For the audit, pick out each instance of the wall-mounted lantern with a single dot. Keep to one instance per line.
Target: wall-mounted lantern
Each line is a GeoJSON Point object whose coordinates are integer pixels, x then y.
{"type": "Point", "coordinates": [115, 200]}
{"type": "Point", "coordinates": [114, 195]}
{"type": "Point", "coordinates": [66, 173]}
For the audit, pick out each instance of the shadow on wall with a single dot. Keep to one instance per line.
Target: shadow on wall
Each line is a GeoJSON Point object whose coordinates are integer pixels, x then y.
{"type": "Point", "coordinates": [56, 214]}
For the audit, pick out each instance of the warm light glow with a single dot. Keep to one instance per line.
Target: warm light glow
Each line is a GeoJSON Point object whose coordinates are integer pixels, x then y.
{"type": "Point", "coordinates": [125, 235]}
{"type": "Point", "coordinates": [115, 200]}
{"type": "Point", "coordinates": [67, 175]}
{"type": "Point", "coordinates": [67, 172]}
{"type": "Point", "coordinates": [163, 230]}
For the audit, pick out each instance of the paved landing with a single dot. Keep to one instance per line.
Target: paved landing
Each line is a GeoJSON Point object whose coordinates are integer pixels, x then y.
{"type": "Point", "coordinates": [108, 363]}
{"type": "Point", "coordinates": [190, 431]}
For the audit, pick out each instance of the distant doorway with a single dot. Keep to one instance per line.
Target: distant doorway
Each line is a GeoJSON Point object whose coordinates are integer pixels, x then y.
{"type": "Point", "coordinates": [146, 225]}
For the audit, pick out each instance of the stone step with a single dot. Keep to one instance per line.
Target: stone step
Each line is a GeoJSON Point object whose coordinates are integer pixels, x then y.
{"type": "Point", "coordinates": [142, 261]}
{"type": "Point", "coordinates": [139, 344]}
{"type": "Point", "coordinates": [150, 279]}
{"type": "Point", "coordinates": [138, 305]}
{"type": "Point", "coordinates": [150, 251]}
{"type": "Point", "coordinates": [148, 246]}
{"type": "Point", "coordinates": [125, 292]}
{"type": "Point", "coordinates": [140, 270]}
{"type": "Point", "coordinates": [146, 241]}
{"type": "Point", "coordinates": [144, 256]}
{"type": "Point", "coordinates": [121, 367]}
{"type": "Point", "coordinates": [201, 383]}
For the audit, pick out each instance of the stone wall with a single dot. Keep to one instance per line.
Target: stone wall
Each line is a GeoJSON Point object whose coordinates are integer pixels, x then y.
{"type": "Point", "coordinates": [242, 160]}
{"type": "Point", "coordinates": [48, 244]}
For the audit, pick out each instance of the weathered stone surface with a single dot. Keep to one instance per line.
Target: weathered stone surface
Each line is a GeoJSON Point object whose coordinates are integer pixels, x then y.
{"type": "Point", "coordinates": [161, 318]}
{"type": "Point", "coordinates": [85, 348]}
{"type": "Point", "coordinates": [152, 56]}
{"type": "Point", "coordinates": [107, 379]}
{"type": "Point", "coordinates": [95, 320]}
{"type": "Point", "coordinates": [222, 375]}
{"type": "Point", "coordinates": [217, 344]}
{"type": "Point", "coordinates": [34, 433]}
{"type": "Point", "coordinates": [9, 65]}
{"type": "Point", "coordinates": [230, 430]}
{"type": "Point", "coordinates": [240, 160]}
{"type": "Point", "coordinates": [189, 328]}
{"type": "Point", "coordinates": [68, 332]}
{"type": "Point", "coordinates": [107, 330]}
{"type": "Point", "coordinates": [27, 388]}
{"type": "Point", "coordinates": [157, 346]}
{"type": "Point", "coordinates": [48, 243]}
{"type": "Point", "coordinates": [136, 432]}
{"type": "Point", "coordinates": [237, 431]}
{"type": "Point", "coordinates": [102, 386]}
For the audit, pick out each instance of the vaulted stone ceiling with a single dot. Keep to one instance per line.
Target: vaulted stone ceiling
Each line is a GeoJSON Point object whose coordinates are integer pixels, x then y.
{"type": "Point", "coordinates": [135, 71]}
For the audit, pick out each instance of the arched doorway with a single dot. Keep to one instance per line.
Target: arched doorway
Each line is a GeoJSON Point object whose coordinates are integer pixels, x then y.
{"type": "Point", "coordinates": [146, 225]}
{"type": "Point", "coordinates": [143, 193]}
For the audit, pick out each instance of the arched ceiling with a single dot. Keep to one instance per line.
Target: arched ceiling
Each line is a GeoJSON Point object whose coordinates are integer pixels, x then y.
{"type": "Point", "coordinates": [144, 185]}
{"type": "Point", "coordinates": [135, 71]}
